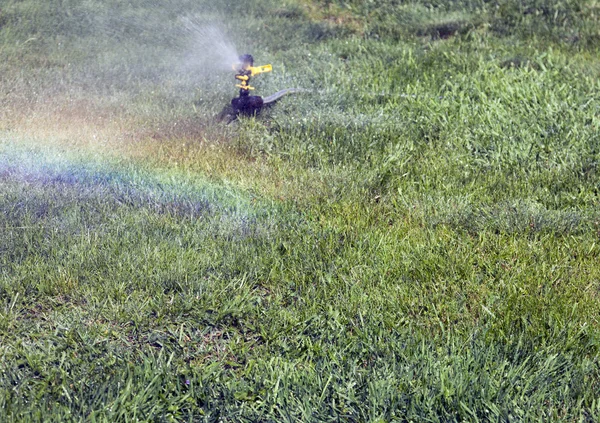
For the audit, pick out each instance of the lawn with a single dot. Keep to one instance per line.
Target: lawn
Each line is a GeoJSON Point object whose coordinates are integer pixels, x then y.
{"type": "Point", "coordinates": [414, 236]}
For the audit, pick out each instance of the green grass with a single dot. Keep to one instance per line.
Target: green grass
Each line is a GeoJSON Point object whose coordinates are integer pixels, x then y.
{"type": "Point", "coordinates": [414, 240]}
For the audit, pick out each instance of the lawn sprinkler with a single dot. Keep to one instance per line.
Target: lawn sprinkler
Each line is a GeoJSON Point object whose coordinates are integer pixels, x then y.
{"type": "Point", "coordinates": [246, 104]}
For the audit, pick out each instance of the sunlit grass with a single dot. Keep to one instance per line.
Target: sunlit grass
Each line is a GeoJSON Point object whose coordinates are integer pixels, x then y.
{"type": "Point", "coordinates": [414, 238]}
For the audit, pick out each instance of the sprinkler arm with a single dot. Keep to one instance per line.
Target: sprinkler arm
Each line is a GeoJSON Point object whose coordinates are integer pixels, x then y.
{"type": "Point", "coordinates": [254, 70]}
{"type": "Point", "coordinates": [260, 69]}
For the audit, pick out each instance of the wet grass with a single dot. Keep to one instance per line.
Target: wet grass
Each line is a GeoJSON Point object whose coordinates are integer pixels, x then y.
{"type": "Point", "coordinates": [415, 239]}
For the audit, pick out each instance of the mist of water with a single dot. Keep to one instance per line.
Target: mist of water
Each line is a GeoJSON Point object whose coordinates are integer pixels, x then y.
{"type": "Point", "coordinates": [136, 50]}
{"type": "Point", "coordinates": [208, 48]}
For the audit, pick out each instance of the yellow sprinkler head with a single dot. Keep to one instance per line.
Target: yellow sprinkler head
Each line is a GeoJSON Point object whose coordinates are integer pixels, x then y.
{"type": "Point", "coordinates": [246, 64]}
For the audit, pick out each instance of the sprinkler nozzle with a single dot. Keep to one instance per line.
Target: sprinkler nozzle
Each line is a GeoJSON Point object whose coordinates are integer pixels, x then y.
{"type": "Point", "coordinates": [246, 61]}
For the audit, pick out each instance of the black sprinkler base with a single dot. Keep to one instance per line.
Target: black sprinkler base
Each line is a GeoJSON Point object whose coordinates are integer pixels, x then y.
{"type": "Point", "coordinates": [247, 104]}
